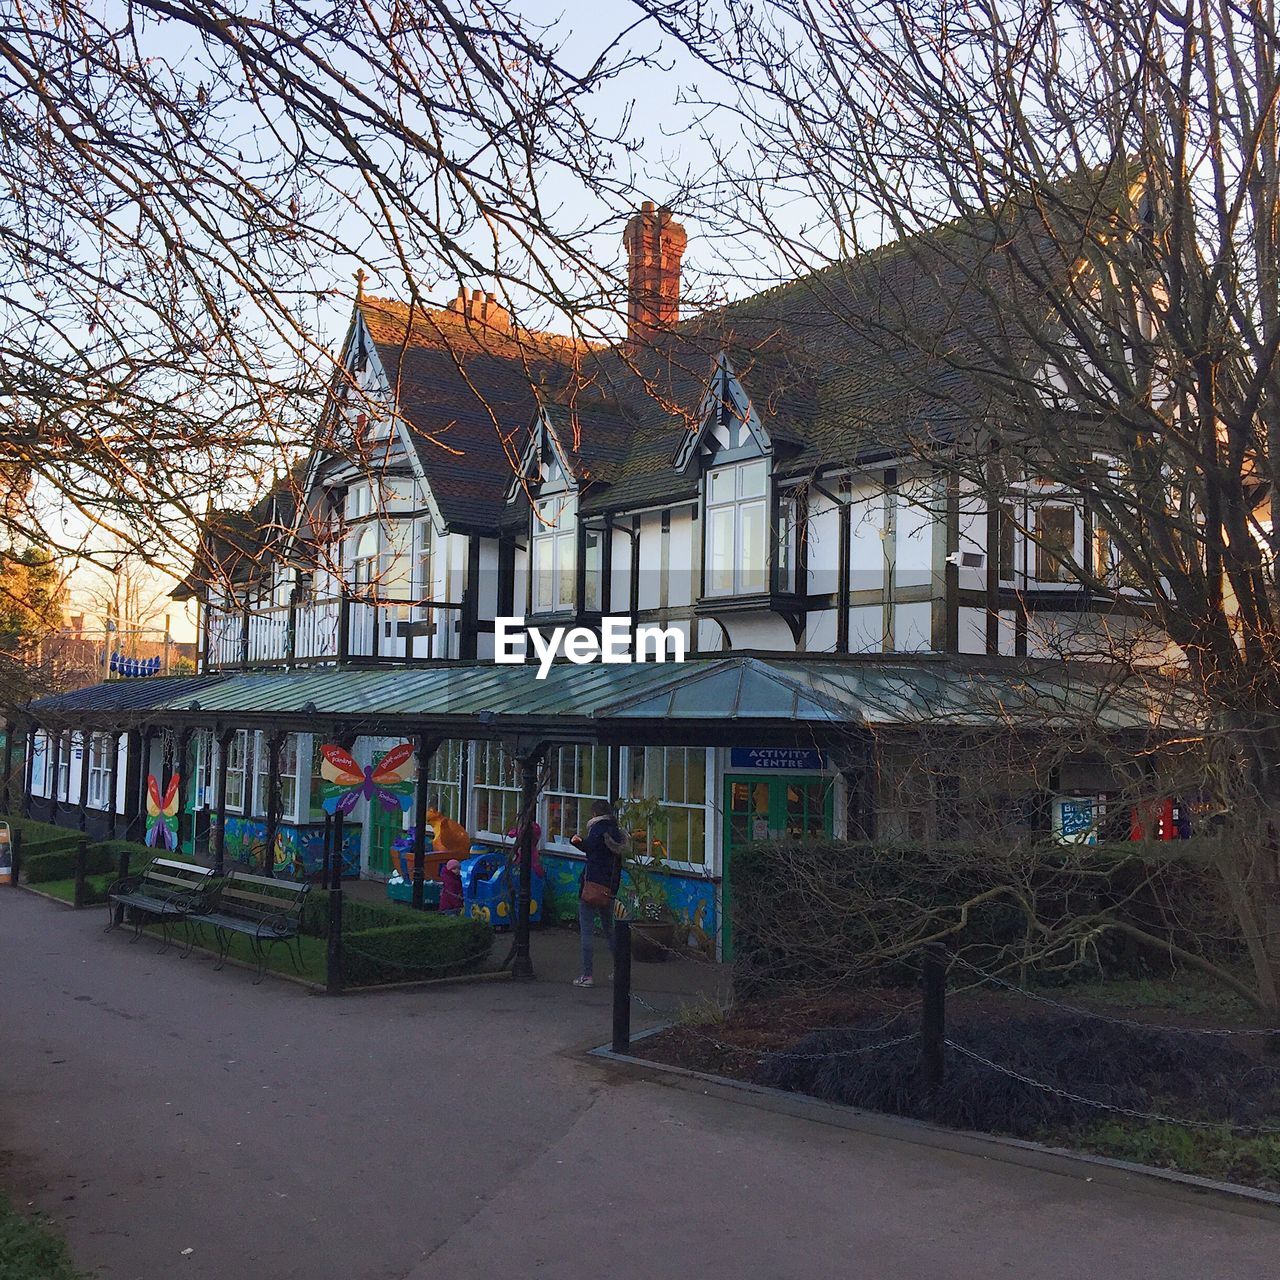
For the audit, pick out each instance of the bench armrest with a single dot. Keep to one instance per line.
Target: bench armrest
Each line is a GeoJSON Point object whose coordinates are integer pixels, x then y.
{"type": "Point", "coordinates": [282, 925]}
{"type": "Point", "coordinates": [126, 885]}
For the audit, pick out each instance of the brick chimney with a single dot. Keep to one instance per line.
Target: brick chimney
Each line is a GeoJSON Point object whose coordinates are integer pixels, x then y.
{"type": "Point", "coordinates": [655, 244]}
{"type": "Point", "coordinates": [481, 308]}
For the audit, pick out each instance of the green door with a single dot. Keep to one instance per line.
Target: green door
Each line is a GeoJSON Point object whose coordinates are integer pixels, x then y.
{"type": "Point", "coordinates": [384, 827]}
{"type": "Point", "coordinates": [769, 807]}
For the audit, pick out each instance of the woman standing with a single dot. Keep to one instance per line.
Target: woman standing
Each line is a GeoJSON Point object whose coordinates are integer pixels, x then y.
{"type": "Point", "coordinates": [604, 844]}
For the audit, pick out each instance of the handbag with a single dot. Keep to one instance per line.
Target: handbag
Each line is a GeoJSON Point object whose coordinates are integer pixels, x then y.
{"type": "Point", "coordinates": [595, 894]}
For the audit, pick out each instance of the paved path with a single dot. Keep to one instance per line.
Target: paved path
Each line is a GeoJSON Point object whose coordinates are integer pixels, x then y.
{"type": "Point", "coordinates": [155, 1106]}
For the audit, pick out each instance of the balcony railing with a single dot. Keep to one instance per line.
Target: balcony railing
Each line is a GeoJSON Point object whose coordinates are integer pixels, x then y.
{"type": "Point", "coordinates": [336, 629]}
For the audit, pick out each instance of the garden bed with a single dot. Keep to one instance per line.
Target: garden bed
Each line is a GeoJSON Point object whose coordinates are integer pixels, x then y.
{"type": "Point", "coordinates": [842, 1049]}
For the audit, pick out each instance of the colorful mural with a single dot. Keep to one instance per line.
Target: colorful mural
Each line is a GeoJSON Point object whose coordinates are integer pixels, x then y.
{"type": "Point", "coordinates": [692, 899]}
{"type": "Point", "coordinates": [299, 852]}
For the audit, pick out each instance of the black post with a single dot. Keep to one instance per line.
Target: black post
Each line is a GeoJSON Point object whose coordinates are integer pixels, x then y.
{"type": "Point", "coordinates": [28, 770]}
{"type": "Point", "coordinates": [8, 767]}
{"type": "Point", "coordinates": [344, 625]}
{"type": "Point", "coordinates": [426, 749]}
{"type": "Point", "coordinates": [55, 757]}
{"type": "Point", "coordinates": [85, 741]}
{"type": "Point", "coordinates": [122, 873]}
{"type": "Point", "coordinates": [933, 1020]}
{"type": "Point", "coordinates": [333, 950]}
{"type": "Point", "coordinates": [621, 986]}
{"type": "Point", "coordinates": [138, 828]}
{"type": "Point", "coordinates": [134, 781]}
{"type": "Point", "coordinates": [327, 846]}
{"type": "Point", "coordinates": [113, 783]}
{"type": "Point", "coordinates": [82, 855]}
{"type": "Point", "coordinates": [15, 854]}
{"type": "Point", "coordinates": [272, 744]}
{"type": "Point", "coordinates": [220, 802]}
{"type": "Point", "coordinates": [521, 964]}
{"type": "Point", "coordinates": [335, 855]}
{"type": "Point", "coordinates": [184, 787]}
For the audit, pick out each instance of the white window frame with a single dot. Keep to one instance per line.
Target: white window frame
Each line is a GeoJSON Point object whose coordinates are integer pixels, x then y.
{"type": "Point", "coordinates": [555, 534]}
{"type": "Point", "coordinates": [444, 777]}
{"type": "Point", "coordinates": [565, 763]}
{"type": "Point", "coordinates": [63, 780]}
{"type": "Point", "coordinates": [40, 763]}
{"type": "Point", "coordinates": [242, 772]}
{"type": "Point", "coordinates": [646, 776]}
{"type": "Point", "coordinates": [1065, 578]}
{"type": "Point", "coordinates": [98, 772]}
{"type": "Point", "coordinates": [742, 505]}
{"type": "Point", "coordinates": [288, 776]}
{"type": "Point", "coordinates": [495, 779]}
{"type": "Point", "coordinates": [365, 562]}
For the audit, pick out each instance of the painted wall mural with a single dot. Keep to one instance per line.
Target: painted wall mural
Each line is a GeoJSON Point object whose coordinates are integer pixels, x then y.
{"type": "Point", "coordinates": [692, 900]}
{"type": "Point", "coordinates": [299, 851]}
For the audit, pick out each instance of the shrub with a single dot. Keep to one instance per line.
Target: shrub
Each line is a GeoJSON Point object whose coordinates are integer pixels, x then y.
{"type": "Point", "coordinates": [432, 948]}
{"type": "Point", "coordinates": [823, 912]}
{"type": "Point", "coordinates": [61, 864]}
{"type": "Point", "coordinates": [356, 915]}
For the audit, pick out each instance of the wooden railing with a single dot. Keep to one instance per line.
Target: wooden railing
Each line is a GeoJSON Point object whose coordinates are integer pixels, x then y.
{"type": "Point", "coordinates": [335, 629]}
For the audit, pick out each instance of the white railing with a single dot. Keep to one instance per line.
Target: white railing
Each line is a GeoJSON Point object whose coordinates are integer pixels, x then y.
{"type": "Point", "coordinates": [313, 631]}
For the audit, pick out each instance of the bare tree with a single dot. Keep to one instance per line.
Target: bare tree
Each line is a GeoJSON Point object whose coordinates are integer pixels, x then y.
{"type": "Point", "coordinates": [1087, 193]}
{"type": "Point", "coordinates": [183, 185]}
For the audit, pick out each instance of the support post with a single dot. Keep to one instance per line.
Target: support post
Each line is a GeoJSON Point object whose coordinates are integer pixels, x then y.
{"type": "Point", "coordinates": [335, 854]}
{"type": "Point", "coordinates": [933, 1019]}
{"type": "Point", "coordinates": [28, 770]}
{"type": "Point", "coordinates": [220, 803]}
{"type": "Point", "coordinates": [621, 986]}
{"type": "Point", "coordinates": [113, 783]}
{"type": "Point", "coordinates": [82, 819]}
{"type": "Point", "coordinates": [327, 846]}
{"type": "Point", "coordinates": [272, 744]}
{"type": "Point", "coordinates": [122, 873]}
{"type": "Point", "coordinates": [8, 767]}
{"type": "Point", "coordinates": [55, 761]}
{"type": "Point", "coordinates": [184, 787]}
{"type": "Point", "coordinates": [134, 781]}
{"type": "Point", "coordinates": [333, 949]}
{"type": "Point", "coordinates": [15, 854]}
{"type": "Point", "coordinates": [521, 963]}
{"type": "Point", "coordinates": [81, 862]}
{"type": "Point", "coordinates": [426, 749]}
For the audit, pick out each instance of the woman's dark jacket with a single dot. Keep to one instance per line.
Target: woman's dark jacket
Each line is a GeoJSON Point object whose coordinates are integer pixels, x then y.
{"type": "Point", "coordinates": [604, 844]}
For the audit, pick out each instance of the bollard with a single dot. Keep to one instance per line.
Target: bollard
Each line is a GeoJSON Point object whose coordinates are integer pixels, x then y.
{"type": "Point", "coordinates": [15, 857]}
{"type": "Point", "coordinates": [333, 950]}
{"type": "Point", "coordinates": [122, 873]}
{"type": "Point", "coordinates": [621, 986]}
{"type": "Point", "coordinates": [82, 855]}
{"type": "Point", "coordinates": [933, 1015]}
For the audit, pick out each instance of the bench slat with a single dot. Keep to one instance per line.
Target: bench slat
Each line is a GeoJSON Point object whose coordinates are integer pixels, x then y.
{"type": "Point", "coordinates": [154, 877]}
{"type": "Point", "coordinates": [288, 886]}
{"type": "Point", "coordinates": [242, 895]}
{"type": "Point", "coordinates": [192, 867]}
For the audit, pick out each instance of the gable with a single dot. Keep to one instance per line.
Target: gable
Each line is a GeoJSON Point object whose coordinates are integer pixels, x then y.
{"type": "Point", "coordinates": [728, 425]}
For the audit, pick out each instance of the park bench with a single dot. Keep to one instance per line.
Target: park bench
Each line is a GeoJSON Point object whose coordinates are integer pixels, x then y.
{"type": "Point", "coordinates": [165, 889]}
{"type": "Point", "coordinates": [264, 910]}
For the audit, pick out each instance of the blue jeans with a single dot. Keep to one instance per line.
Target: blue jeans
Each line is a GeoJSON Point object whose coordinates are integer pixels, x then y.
{"type": "Point", "coordinates": [587, 927]}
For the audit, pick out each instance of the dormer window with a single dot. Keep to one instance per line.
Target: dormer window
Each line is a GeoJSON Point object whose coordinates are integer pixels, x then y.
{"type": "Point", "coordinates": [737, 561]}
{"type": "Point", "coordinates": [555, 558]}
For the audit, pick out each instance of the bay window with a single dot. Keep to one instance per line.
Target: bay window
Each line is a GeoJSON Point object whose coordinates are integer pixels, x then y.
{"type": "Point", "coordinates": [444, 778]}
{"type": "Point", "coordinates": [555, 546]}
{"type": "Point", "coordinates": [736, 530]}
{"type": "Point", "coordinates": [424, 569]}
{"type": "Point", "coordinates": [364, 559]}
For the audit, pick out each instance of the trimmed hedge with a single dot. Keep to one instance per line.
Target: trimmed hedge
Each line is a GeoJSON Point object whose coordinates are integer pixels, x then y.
{"type": "Point", "coordinates": [100, 856]}
{"type": "Point", "coordinates": [432, 948]}
{"type": "Point", "coordinates": [357, 915]}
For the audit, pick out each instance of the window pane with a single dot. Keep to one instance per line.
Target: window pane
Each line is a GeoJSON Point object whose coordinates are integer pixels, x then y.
{"type": "Point", "coordinates": [544, 589]}
{"type": "Point", "coordinates": [752, 552]}
{"type": "Point", "coordinates": [751, 480]}
{"type": "Point", "coordinates": [1056, 535]}
{"type": "Point", "coordinates": [720, 552]}
{"type": "Point", "coordinates": [566, 568]}
{"type": "Point", "coordinates": [593, 571]}
{"type": "Point", "coordinates": [720, 485]}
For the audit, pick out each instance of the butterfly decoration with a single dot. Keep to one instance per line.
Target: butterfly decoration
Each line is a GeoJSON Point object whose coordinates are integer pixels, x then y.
{"type": "Point", "coordinates": [346, 782]}
{"type": "Point", "coordinates": [162, 815]}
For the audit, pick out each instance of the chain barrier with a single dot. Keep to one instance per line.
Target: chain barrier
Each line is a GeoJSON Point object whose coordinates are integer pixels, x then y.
{"type": "Point", "coordinates": [1060, 1092]}
{"type": "Point", "coordinates": [1112, 1018]}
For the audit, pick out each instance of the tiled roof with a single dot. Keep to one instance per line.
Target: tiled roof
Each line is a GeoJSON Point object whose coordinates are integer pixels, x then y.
{"type": "Point", "coordinates": [467, 392]}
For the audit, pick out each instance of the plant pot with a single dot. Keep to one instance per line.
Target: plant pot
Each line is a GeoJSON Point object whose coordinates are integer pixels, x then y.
{"type": "Point", "coordinates": [652, 941]}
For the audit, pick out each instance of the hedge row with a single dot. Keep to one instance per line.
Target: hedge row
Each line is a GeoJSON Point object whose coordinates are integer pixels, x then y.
{"type": "Point", "coordinates": [436, 947]}
{"type": "Point", "coordinates": [100, 856]}
{"type": "Point", "coordinates": [357, 915]}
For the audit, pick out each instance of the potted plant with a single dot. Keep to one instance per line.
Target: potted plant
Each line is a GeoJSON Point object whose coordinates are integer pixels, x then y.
{"type": "Point", "coordinates": [643, 891]}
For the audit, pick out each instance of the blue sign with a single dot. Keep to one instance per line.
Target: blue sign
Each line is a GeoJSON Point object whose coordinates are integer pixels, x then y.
{"type": "Point", "coordinates": [805, 758]}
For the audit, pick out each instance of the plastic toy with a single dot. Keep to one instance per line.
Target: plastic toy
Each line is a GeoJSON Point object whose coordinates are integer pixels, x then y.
{"type": "Point", "coordinates": [488, 893]}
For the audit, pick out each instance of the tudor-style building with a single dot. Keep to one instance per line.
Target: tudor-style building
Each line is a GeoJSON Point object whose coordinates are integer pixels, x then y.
{"type": "Point", "coordinates": [750, 476]}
